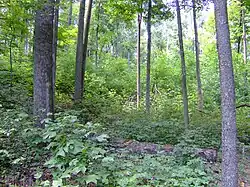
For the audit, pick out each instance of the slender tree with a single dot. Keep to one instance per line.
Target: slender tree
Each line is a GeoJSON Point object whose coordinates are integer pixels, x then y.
{"type": "Point", "coordinates": [79, 55]}
{"type": "Point", "coordinates": [139, 60]}
{"type": "Point", "coordinates": [197, 56]}
{"type": "Point", "coordinates": [54, 53]}
{"type": "Point", "coordinates": [244, 36]}
{"type": "Point", "coordinates": [70, 12]}
{"type": "Point", "coordinates": [43, 62]}
{"type": "Point", "coordinates": [183, 65]}
{"type": "Point", "coordinates": [148, 56]}
{"type": "Point", "coordinates": [97, 33]}
{"type": "Point", "coordinates": [86, 36]}
{"type": "Point", "coordinates": [229, 151]}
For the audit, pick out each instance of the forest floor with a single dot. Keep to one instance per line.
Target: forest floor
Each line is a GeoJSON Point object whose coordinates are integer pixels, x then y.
{"type": "Point", "coordinates": [127, 147]}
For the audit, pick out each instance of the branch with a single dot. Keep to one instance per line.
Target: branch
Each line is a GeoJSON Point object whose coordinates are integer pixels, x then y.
{"type": "Point", "coordinates": [243, 105]}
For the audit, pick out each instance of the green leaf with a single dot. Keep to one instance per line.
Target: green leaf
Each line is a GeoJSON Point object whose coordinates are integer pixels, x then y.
{"type": "Point", "coordinates": [38, 175]}
{"type": "Point", "coordinates": [57, 183]}
{"type": "Point", "coordinates": [102, 138]}
{"type": "Point", "coordinates": [91, 178]}
{"type": "Point", "coordinates": [60, 153]}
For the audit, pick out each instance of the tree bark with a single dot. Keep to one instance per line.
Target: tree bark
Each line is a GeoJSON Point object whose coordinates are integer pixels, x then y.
{"type": "Point", "coordinates": [139, 61]}
{"type": "Point", "coordinates": [54, 54]}
{"type": "Point", "coordinates": [43, 62]}
{"type": "Point", "coordinates": [229, 151]}
{"type": "Point", "coordinates": [183, 66]}
{"type": "Point", "coordinates": [197, 55]}
{"type": "Point", "coordinates": [86, 35]}
{"type": "Point", "coordinates": [79, 55]}
{"type": "Point", "coordinates": [148, 56]}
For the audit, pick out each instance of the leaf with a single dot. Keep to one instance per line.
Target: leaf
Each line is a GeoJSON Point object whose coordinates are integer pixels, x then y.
{"type": "Point", "coordinates": [16, 161]}
{"type": "Point", "coordinates": [57, 183]}
{"type": "Point", "coordinates": [38, 175]}
{"type": "Point", "coordinates": [108, 159]}
{"type": "Point", "coordinates": [102, 138]}
{"type": "Point", "coordinates": [60, 153]}
{"type": "Point", "coordinates": [91, 178]}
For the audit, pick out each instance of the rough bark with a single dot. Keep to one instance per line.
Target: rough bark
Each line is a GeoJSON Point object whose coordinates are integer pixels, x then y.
{"type": "Point", "coordinates": [183, 66]}
{"type": "Point", "coordinates": [86, 36]}
{"type": "Point", "coordinates": [79, 55]}
{"type": "Point", "coordinates": [197, 56]}
{"type": "Point", "coordinates": [70, 12]}
{"type": "Point", "coordinates": [138, 79]}
{"type": "Point", "coordinates": [229, 152]}
{"type": "Point", "coordinates": [43, 62]}
{"type": "Point", "coordinates": [54, 53]}
{"type": "Point", "coordinates": [148, 56]}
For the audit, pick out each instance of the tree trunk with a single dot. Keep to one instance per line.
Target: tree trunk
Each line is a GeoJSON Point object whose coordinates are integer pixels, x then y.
{"type": "Point", "coordinates": [70, 12]}
{"type": "Point", "coordinates": [86, 35]}
{"type": "Point", "coordinates": [197, 55]}
{"type": "Point", "coordinates": [139, 60]}
{"type": "Point", "coordinates": [54, 54]}
{"type": "Point", "coordinates": [245, 50]}
{"type": "Point", "coordinates": [240, 25]}
{"type": "Point", "coordinates": [43, 62]}
{"type": "Point", "coordinates": [148, 56]}
{"type": "Point", "coordinates": [129, 60]}
{"type": "Point", "coordinates": [11, 66]}
{"type": "Point", "coordinates": [79, 55]}
{"type": "Point", "coordinates": [97, 34]}
{"type": "Point", "coordinates": [183, 66]}
{"type": "Point", "coordinates": [244, 36]}
{"type": "Point", "coordinates": [229, 151]}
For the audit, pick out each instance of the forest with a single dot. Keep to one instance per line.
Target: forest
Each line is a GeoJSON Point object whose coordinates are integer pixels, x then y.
{"type": "Point", "coordinates": [125, 93]}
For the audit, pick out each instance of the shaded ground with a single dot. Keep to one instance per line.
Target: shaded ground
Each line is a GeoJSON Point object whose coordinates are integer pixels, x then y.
{"type": "Point", "coordinates": [26, 176]}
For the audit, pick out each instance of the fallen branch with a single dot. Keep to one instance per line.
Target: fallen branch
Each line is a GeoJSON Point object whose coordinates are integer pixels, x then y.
{"type": "Point", "coordinates": [243, 105]}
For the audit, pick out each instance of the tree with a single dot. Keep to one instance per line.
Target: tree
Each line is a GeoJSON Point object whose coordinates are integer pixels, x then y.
{"type": "Point", "coordinates": [138, 82]}
{"type": "Point", "coordinates": [97, 33]}
{"type": "Point", "coordinates": [183, 66]}
{"type": "Point", "coordinates": [43, 62]}
{"type": "Point", "coordinates": [244, 35]}
{"type": "Point", "coordinates": [70, 12]}
{"type": "Point", "coordinates": [229, 151]}
{"type": "Point", "coordinates": [79, 55]}
{"type": "Point", "coordinates": [54, 53]}
{"type": "Point", "coordinates": [197, 55]}
{"type": "Point", "coordinates": [86, 36]}
{"type": "Point", "coordinates": [148, 56]}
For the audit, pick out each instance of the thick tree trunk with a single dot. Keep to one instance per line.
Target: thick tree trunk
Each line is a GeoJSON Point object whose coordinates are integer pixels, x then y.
{"type": "Point", "coordinates": [70, 12]}
{"type": "Point", "coordinates": [86, 36]}
{"type": "Point", "coordinates": [139, 60]}
{"type": "Point", "coordinates": [183, 66]}
{"type": "Point", "coordinates": [43, 62]}
{"type": "Point", "coordinates": [148, 56]}
{"type": "Point", "coordinates": [197, 55]}
{"type": "Point", "coordinates": [79, 55]}
{"type": "Point", "coordinates": [229, 151]}
{"type": "Point", "coordinates": [54, 54]}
